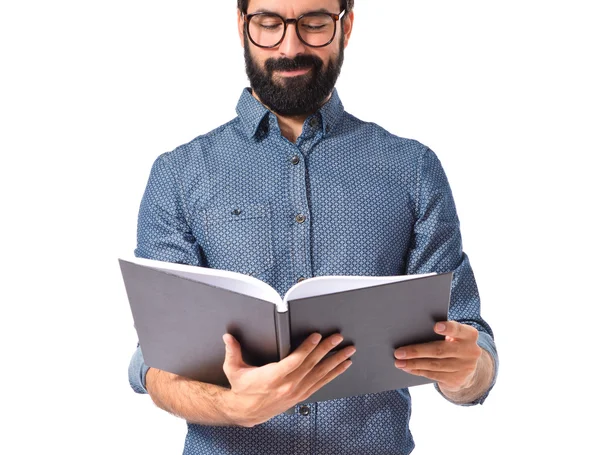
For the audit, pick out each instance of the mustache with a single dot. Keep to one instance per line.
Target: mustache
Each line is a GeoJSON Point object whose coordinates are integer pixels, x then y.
{"type": "Point", "coordinates": [289, 64]}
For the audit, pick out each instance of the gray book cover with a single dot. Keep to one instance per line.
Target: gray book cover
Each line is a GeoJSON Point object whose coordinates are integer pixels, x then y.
{"type": "Point", "coordinates": [180, 323]}
{"type": "Point", "coordinates": [376, 320]}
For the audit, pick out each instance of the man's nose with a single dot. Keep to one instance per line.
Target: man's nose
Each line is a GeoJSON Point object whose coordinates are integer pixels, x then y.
{"type": "Point", "coordinates": [291, 46]}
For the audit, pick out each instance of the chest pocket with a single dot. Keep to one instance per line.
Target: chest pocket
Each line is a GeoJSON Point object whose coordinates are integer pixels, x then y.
{"type": "Point", "coordinates": [238, 238]}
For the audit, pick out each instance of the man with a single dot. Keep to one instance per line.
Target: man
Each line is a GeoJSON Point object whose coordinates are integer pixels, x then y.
{"type": "Point", "coordinates": [295, 187]}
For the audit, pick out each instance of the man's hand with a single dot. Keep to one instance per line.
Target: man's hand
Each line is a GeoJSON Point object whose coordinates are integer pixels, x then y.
{"type": "Point", "coordinates": [457, 364]}
{"type": "Point", "coordinates": [260, 393]}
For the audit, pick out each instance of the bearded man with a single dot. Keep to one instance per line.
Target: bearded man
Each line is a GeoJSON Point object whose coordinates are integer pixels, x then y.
{"type": "Point", "coordinates": [295, 187]}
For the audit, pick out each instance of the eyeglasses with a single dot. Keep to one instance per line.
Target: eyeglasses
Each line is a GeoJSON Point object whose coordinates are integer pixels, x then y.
{"type": "Point", "coordinates": [267, 30]}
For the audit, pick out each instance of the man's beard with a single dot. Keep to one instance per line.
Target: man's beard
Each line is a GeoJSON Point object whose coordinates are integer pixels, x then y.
{"type": "Point", "coordinates": [297, 95]}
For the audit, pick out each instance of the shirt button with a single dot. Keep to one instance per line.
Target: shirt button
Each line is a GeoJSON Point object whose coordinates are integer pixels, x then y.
{"type": "Point", "coordinates": [300, 219]}
{"type": "Point", "coordinates": [300, 280]}
{"type": "Point", "coordinates": [295, 160]}
{"type": "Point", "coordinates": [314, 122]}
{"type": "Point", "coordinates": [304, 410]}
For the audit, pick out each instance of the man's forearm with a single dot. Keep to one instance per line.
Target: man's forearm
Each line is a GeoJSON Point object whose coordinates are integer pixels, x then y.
{"type": "Point", "coordinates": [482, 381]}
{"type": "Point", "coordinates": [196, 402]}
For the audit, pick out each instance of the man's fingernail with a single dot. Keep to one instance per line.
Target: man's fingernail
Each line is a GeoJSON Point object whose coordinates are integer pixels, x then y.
{"type": "Point", "coordinates": [400, 354]}
{"type": "Point", "coordinates": [440, 327]}
{"type": "Point", "coordinates": [315, 338]}
{"type": "Point", "coordinates": [336, 340]}
{"type": "Point", "coordinates": [401, 363]}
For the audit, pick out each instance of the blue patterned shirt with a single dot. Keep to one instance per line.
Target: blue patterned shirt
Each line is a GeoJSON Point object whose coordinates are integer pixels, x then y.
{"type": "Point", "coordinates": [348, 198]}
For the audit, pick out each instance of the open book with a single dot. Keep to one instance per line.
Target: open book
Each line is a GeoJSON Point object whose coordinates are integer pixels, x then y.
{"type": "Point", "coordinates": [181, 312]}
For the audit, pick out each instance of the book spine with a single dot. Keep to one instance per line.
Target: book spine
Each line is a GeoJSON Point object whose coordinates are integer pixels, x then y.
{"type": "Point", "coordinates": [282, 329]}
{"type": "Point", "coordinates": [284, 342]}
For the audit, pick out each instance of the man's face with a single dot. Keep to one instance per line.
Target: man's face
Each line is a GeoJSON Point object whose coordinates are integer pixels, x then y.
{"type": "Point", "coordinates": [294, 79]}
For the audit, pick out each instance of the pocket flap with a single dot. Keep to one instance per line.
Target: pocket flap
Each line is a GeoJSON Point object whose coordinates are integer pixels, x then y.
{"type": "Point", "coordinates": [238, 237]}
{"type": "Point", "coordinates": [233, 212]}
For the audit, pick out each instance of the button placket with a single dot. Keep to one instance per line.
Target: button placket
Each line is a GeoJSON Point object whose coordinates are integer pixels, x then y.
{"type": "Point", "coordinates": [306, 424]}
{"type": "Point", "coordinates": [300, 239]}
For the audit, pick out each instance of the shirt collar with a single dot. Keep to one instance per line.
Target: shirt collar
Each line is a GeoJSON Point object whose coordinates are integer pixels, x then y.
{"type": "Point", "coordinates": [331, 113]}
{"type": "Point", "coordinates": [252, 112]}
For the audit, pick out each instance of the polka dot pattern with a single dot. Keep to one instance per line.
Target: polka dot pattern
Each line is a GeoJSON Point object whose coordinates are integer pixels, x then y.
{"type": "Point", "coordinates": [348, 198]}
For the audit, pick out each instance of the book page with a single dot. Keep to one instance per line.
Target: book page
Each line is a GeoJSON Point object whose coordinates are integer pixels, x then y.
{"type": "Point", "coordinates": [224, 279]}
{"type": "Point", "coordinates": [324, 285]}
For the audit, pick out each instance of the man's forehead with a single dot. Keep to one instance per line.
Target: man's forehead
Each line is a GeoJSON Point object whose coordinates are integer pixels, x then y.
{"type": "Point", "coordinates": [294, 6]}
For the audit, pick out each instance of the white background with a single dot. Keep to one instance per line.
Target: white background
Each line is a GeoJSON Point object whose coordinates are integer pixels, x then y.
{"type": "Point", "coordinates": [506, 93]}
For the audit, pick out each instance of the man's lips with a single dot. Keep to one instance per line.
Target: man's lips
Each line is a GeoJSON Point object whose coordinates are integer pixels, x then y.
{"type": "Point", "coordinates": [292, 73]}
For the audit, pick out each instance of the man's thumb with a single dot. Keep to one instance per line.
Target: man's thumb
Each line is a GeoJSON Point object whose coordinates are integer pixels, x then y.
{"type": "Point", "coordinates": [233, 352]}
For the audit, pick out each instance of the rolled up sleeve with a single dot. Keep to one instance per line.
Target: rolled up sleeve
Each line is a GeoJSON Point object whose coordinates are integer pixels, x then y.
{"type": "Point", "coordinates": [137, 372]}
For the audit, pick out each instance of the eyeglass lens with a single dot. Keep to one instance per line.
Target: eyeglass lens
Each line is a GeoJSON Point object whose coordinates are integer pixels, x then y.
{"type": "Point", "coordinates": [314, 29]}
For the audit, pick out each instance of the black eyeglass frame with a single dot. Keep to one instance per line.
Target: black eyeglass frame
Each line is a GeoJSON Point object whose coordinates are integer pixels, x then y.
{"type": "Point", "coordinates": [286, 22]}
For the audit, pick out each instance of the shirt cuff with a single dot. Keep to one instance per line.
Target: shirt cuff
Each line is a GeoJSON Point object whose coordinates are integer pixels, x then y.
{"type": "Point", "coordinates": [485, 341]}
{"type": "Point", "coordinates": [137, 372]}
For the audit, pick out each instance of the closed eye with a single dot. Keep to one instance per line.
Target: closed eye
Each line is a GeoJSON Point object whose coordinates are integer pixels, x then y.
{"type": "Point", "coordinates": [270, 27]}
{"type": "Point", "coordinates": [314, 28]}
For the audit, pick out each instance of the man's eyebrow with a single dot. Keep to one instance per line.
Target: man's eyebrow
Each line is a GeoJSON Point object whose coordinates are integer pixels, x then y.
{"type": "Point", "coordinates": [263, 10]}
{"type": "Point", "coordinates": [320, 10]}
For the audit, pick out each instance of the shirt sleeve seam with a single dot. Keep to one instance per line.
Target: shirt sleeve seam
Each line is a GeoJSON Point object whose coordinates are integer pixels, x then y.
{"type": "Point", "coordinates": [419, 187]}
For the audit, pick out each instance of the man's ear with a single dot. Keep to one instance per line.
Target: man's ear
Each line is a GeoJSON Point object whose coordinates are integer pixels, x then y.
{"type": "Point", "coordinates": [348, 20]}
{"type": "Point", "coordinates": [241, 26]}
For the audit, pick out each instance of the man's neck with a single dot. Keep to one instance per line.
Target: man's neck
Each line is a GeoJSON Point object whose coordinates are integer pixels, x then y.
{"type": "Point", "coordinates": [290, 126]}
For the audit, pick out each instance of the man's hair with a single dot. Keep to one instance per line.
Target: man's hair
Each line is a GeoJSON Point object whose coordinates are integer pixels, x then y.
{"type": "Point", "coordinates": [344, 5]}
